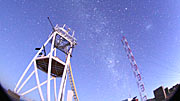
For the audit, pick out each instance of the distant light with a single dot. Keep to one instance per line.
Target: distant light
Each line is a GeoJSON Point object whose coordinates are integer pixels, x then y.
{"type": "Point", "coordinates": [126, 8]}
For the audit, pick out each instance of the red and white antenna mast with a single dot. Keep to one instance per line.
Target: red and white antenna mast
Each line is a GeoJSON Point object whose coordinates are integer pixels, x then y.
{"type": "Point", "coordinates": [135, 69]}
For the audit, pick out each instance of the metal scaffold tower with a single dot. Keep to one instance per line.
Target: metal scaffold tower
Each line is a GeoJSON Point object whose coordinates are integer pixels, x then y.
{"type": "Point", "coordinates": [62, 39]}
{"type": "Point", "coordinates": [135, 69]}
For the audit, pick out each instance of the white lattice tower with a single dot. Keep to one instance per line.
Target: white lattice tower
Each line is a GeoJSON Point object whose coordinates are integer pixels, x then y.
{"type": "Point", "coordinates": [60, 39]}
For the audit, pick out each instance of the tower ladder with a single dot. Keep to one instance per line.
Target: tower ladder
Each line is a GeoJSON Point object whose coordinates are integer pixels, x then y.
{"type": "Point", "coordinates": [71, 80]}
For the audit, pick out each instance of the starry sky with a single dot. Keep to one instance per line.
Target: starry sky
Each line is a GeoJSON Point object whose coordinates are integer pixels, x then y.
{"type": "Point", "coordinates": [100, 66]}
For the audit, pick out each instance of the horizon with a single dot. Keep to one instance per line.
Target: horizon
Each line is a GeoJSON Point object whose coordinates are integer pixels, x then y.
{"type": "Point", "coordinates": [100, 65]}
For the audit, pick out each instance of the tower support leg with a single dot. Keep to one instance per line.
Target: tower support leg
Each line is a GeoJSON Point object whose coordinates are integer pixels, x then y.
{"type": "Point", "coordinates": [49, 68]}
{"type": "Point", "coordinates": [64, 75]}
{"type": "Point", "coordinates": [37, 80]}
{"type": "Point", "coordinates": [64, 87]}
{"type": "Point", "coordinates": [55, 93]}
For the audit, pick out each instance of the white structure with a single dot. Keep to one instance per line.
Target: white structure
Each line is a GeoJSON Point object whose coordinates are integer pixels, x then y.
{"type": "Point", "coordinates": [69, 95]}
{"type": "Point", "coordinates": [62, 40]}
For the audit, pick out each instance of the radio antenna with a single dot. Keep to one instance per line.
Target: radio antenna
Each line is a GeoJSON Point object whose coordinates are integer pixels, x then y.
{"type": "Point", "coordinates": [51, 24]}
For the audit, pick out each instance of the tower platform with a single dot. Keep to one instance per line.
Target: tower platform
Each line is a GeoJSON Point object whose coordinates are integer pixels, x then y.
{"type": "Point", "coordinates": [57, 65]}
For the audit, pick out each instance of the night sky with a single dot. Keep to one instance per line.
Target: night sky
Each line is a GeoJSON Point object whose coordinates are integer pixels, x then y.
{"type": "Point", "coordinates": [100, 66]}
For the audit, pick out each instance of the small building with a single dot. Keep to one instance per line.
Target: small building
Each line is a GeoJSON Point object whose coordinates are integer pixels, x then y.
{"type": "Point", "coordinates": [161, 94]}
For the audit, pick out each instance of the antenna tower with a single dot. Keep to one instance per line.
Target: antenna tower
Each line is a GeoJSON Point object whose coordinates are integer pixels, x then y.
{"type": "Point", "coordinates": [62, 39]}
{"type": "Point", "coordinates": [135, 69]}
